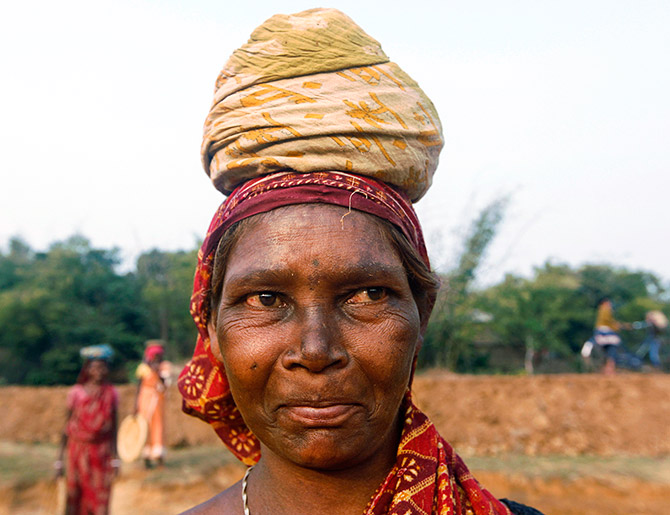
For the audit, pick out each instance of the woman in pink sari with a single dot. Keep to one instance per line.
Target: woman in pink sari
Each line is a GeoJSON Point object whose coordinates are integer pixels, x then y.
{"type": "Point", "coordinates": [91, 460]}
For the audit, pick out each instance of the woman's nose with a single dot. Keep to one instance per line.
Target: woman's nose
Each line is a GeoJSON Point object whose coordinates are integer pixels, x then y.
{"type": "Point", "coordinates": [321, 346]}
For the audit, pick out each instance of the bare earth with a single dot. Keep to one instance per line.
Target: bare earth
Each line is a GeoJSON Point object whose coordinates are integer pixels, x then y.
{"type": "Point", "coordinates": [566, 444]}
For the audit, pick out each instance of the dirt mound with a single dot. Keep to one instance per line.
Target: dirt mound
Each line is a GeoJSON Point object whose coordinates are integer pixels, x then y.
{"type": "Point", "coordinates": [568, 444]}
{"type": "Point", "coordinates": [479, 415]}
{"type": "Point", "coordinates": [551, 414]}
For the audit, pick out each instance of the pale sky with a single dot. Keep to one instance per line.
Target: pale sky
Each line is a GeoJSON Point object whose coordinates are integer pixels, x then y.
{"type": "Point", "coordinates": [563, 105]}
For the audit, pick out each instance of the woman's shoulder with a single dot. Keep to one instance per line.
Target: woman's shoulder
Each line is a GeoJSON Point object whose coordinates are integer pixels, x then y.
{"type": "Point", "coordinates": [74, 395]}
{"type": "Point", "coordinates": [112, 391]}
{"type": "Point", "coordinates": [76, 389]}
{"type": "Point", "coordinates": [229, 502]}
{"type": "Point", "coordinates": [143, 371]}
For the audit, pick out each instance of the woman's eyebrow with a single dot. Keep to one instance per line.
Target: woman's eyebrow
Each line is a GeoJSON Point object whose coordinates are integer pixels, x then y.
{"type": "Point", "coordinates": [258, 275]}
{"type": "Point", "coordinates": [362, 271]}
{"type": "Point", "coordinates": [374, 269]}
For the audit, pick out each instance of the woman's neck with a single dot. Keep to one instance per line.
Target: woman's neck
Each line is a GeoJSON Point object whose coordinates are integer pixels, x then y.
{"type": "Point", "coordinates": [278, 486]}
{"type": "Point", "coordinates": [92, 386]}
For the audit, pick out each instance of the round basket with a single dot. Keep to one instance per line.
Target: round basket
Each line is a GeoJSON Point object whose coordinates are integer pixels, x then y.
{"type": "Point", "coordinates": [131, 437]}
{"type": "Point", "coordinates": [658, 319]}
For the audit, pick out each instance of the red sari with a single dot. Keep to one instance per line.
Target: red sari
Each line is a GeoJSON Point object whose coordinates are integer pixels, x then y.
{"type": "Point", "coordinates": [90, 449]}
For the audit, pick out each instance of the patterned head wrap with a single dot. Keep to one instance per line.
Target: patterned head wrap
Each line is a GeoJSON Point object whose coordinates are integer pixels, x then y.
{"type": "Point", "coordinates": [311, 110]}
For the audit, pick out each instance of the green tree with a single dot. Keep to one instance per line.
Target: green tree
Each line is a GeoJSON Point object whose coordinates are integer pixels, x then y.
{"type": "Point", "coordinates": [166, 283]}
{"type": "Point", "coordinates": [452, 327]}
{"type": "Point", "coordinates": [553, 312]}
{"type": "Point", "coordinates": [535, 314]}
{"type": "Point", "coordinates": [60, 301]}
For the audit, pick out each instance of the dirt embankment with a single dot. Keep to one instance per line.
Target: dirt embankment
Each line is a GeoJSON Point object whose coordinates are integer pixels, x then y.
{"type": "Point", "coordinates": [480, 415]}
{"type": "Point", "coordinates": [551, 414]}
{"type": "Point", "coordinates": [567, 444]}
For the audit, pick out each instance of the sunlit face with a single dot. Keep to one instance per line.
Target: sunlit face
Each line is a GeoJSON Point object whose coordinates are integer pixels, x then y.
{"type": "Point", "coordinates": [317, 329]}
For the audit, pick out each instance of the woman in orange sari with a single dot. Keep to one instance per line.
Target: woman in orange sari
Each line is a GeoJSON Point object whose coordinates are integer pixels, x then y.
{"type": "Point", "coordinates": [153, 374]}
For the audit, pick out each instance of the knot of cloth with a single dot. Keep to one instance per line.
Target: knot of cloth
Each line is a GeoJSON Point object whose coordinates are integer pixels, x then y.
{"type": "Point", "coordinates": [313, 92]}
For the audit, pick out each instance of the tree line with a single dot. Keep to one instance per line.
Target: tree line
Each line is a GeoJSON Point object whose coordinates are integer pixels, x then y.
{"type": "Point", "coordinates": [548, 315]}
{"type": "Point", "coordinates": [54, 302]}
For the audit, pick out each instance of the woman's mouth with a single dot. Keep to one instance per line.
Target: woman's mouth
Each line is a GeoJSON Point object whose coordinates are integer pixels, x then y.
{"type": "Point", "coordinates": [320, 415]}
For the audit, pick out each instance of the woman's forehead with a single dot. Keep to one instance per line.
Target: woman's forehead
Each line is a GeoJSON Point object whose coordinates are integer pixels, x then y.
{"type": "Point", "coordinates": [303, 221]}
{"type": "Point", "coordinates": [311, 234]}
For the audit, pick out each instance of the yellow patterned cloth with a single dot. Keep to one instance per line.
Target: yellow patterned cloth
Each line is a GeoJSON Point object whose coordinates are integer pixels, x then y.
{"type": "Point", "coordinates": [313, 92]}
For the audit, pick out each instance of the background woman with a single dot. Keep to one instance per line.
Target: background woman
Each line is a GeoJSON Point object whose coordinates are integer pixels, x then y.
{"type": "Point", "coordinates": [153, 375]}
{"type": "Point", "coordinates": [313, 286]}
{"type": "Point", "coordinates": [606, 333]}
{"type": "Point", "coordinates": [90, 436]}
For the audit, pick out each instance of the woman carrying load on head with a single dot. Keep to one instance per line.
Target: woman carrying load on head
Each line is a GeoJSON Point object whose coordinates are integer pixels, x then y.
{"type": "Point", "coordinates": [313, 286]}
{"type": "Point", "coordinates": [90, 436]}
{"type": "Point", "coordinates": [153, 375]}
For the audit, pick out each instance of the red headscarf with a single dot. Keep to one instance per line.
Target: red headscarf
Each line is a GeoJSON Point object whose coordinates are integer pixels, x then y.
{"type": "Point", "coordinates": [428, 475]}
{"type": "Point", "coordinates": [153, 350]}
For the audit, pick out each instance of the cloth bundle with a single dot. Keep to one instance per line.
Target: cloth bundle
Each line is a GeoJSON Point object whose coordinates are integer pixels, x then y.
{"type": "Point", "coordinates": [313, 92]}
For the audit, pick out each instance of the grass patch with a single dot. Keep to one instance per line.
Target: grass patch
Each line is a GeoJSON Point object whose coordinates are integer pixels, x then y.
{"type": "Point", "coordinates": [190, 462]}
{"type": "Point", "coordinates": [26, 463]}
{"type": "Point", "coordinates": [22, 463]}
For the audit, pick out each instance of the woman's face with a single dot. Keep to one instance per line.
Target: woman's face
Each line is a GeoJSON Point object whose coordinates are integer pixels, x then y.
{"type": "Point", "coordinates": [317, 329]}
{"type": "Point", "coordinates": [97, 370]}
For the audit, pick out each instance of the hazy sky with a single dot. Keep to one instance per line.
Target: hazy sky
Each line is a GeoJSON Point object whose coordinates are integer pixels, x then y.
{"type": "Point", "coordinates": [563, 105]}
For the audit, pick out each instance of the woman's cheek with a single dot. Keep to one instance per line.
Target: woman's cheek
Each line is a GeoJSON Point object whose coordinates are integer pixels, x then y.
{"type": "Point", "coordinates": [248, 348]}
{"type": "Point", "coordinates": [386, 353]}
{"type": "Point", "coordinates": [396, 327]}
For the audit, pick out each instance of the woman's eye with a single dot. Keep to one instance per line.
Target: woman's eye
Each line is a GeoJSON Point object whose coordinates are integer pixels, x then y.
{"type": "Point", "coordinates": [266, 299]}
{"type": "Point", "coordinates": [367, 295]}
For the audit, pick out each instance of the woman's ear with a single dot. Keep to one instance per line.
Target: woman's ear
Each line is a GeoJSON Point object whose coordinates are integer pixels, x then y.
{"type": "Point", "coordinates": [419, 344]}
{"type": "Point", "coordinates": [214, 341]}
{"type": "Point", "coordinates": [425, 306]}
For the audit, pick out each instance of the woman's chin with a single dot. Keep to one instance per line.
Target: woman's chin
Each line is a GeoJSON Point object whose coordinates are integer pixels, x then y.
{"type": "Point", "coordinates": [326, 461]}
{"type": "Point", "coordinates": [321, 449]}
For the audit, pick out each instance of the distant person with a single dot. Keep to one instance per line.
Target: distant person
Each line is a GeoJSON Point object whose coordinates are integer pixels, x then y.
{"type": "Point", "coordinates": [656, 323]}
{"type": "Point", "coordinates": [606, 334]}
{"type": "Point", "coordinates": [90, 436]}
{"type": "Point", "coordinates": [154, 377]}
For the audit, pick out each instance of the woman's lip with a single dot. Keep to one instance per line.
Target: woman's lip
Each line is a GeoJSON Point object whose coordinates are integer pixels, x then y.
{"type": "Point", "coordinates": [323, 415]}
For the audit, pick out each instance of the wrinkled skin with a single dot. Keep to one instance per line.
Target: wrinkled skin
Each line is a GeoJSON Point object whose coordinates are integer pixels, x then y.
{"type": "Point", "coordinates": [317, 329]}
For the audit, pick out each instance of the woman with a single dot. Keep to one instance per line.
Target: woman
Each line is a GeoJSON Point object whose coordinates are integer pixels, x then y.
{"type": "Point", "coordinates": [153, 374]}
{"type": "Point", "coordinates": [606, 334]}
{"type": "Point", "coordinates": [90, 436]}
{"type": "Point", "coordinates": [656, 323]}
{"type": "Point", "coordinates": [313, 287]}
